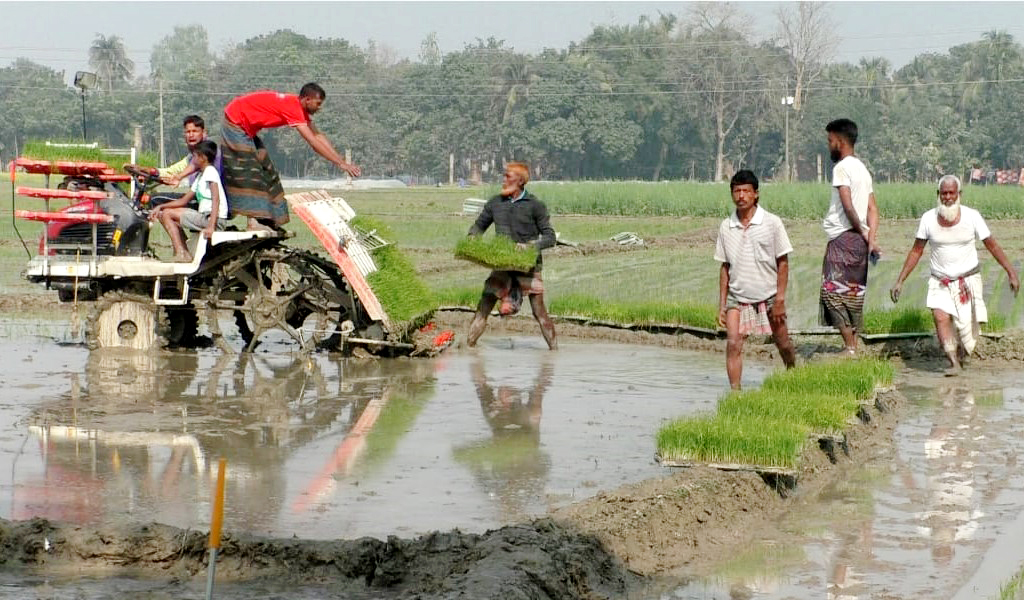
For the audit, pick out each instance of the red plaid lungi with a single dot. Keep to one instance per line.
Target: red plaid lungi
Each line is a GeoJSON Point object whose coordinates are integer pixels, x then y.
{"type": "Point", "coordinates": [511, 286]}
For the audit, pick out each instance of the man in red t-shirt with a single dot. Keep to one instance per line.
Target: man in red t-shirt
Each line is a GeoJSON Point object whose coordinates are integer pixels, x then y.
{"type": "Point", "coordinates": [252, 184]}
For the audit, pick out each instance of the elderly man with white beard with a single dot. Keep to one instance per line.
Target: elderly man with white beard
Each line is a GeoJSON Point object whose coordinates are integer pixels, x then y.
{"type": "Point", "coordinates": [954, 288]}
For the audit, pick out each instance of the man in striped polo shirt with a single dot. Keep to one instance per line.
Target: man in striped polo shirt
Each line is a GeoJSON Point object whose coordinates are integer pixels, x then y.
{"type": "Point", "coordinates": [753, 248]}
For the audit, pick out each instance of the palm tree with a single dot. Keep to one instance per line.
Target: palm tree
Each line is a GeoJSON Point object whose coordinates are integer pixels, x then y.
{"type": "Point", "coordinates": [1001, 54]}
{"type": "Point", "coordinates": [108, 59]}
{"type": "Point", "coordinates": [514, 77]}
{"type": "Point", "coordinates": [875, 78]}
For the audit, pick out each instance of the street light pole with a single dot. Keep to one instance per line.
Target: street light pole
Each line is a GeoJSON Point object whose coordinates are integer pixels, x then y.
{"type": "Point", "coordinates": [85, 137]}
{"type": "Point", "coordinates": [786, 103]}
{"type": "Point", "coordinates": [83, 80]}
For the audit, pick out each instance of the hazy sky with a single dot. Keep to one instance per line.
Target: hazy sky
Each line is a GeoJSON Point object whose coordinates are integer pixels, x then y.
{"type": "Point", "coordinates": [58, 34]}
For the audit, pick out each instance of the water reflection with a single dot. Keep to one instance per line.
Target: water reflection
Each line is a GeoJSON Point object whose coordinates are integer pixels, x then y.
{"type": "Point", "coordinates": [510, 465]}
{"type": "Point", "coordinates": [325, 447]}
{"type": "Point", "coordinates": [953, 504]}
{"type": "Point", "coordinates": [911, 525]}
{"type": "Point", "coordinates": [141, 438]}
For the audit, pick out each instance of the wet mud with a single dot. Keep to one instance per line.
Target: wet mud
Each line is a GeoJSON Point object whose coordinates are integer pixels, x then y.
{"type": "Point", "coordinates": [514, 503]}
{"type": "Point", "coordinates": [538, 560]}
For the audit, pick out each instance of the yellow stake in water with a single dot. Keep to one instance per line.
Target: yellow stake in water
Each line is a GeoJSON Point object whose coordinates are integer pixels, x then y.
{"type": "Point", "coordinates": [218, 519]}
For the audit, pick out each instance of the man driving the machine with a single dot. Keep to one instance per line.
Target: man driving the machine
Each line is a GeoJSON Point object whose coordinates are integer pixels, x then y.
{"type": "Point", "coordinates": [194, 129]}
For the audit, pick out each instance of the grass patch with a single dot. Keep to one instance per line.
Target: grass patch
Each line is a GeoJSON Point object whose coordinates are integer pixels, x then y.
{"type": "Point", "coordinates": [638, 313]}
{"type": "Point", "coordinates": [898, 320]}
{"type": "Point", "coordinates": [788, 200]}
{"type": "Point", "coordinates": [459, 296]}
{"type": "Point", "coordinates": [40, 151]}
{"type": "Point", "coordinates": [496, 252]}
{"type": "Point", "coordinates": [768, 427]}
{"type": "Point", "coordinates": [580, 305]}
{"type": "Point", "coordinates": [917, 320]}
{"type": "Point", "coordinates": [1014, 588]}
{"type": "Point", "coordinates": [401, 292]}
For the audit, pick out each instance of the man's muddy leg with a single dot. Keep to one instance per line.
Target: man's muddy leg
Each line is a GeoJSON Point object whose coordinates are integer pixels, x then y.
{"type": "Point", "coordinates": [483, 310]}
{"type": "Point", "coordinates": [780, 334]}
{"type": "Point", "coordinates": [849, 338]}
{"type": "Point", "coordinates": [947, 339]}
{"type": "Point", "coordinates": [547, 326]}
{"type": "Point", "coordinates": [733, 348]}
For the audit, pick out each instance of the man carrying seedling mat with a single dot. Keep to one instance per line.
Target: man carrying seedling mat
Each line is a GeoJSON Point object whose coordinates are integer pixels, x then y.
{"type": "Point", "coordinates": [754, 248]}
{"type": "Point", "coordinates": [517, 215]}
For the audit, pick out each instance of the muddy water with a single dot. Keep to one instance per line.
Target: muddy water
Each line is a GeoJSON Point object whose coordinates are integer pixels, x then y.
{"type": "Point", "coordinates": [943, 517]}
{"type": "Point", "coordinates": [327, 448]}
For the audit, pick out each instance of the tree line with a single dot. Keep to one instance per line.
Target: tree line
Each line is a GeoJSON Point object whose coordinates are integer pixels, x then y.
{"type": "Point", "coordinates": [693, 96]}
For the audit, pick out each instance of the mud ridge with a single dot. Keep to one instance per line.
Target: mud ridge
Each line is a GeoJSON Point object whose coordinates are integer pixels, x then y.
{"type": "Point", "coordinates": [541, 559]}
{"type": "Point", "coordinates": [1005, 351]}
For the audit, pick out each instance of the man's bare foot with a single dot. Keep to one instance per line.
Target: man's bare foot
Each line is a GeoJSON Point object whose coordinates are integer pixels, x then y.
{"type": "Point", "coordinates": [255, 225]}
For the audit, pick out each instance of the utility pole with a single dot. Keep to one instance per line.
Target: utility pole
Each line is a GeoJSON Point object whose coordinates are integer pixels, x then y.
{"type": "Point", "coordinates": [163, 162]}
{"type": "Point", "coordinates": [787, 101]}
{"type": "Point", "coordinates": [85, 135]}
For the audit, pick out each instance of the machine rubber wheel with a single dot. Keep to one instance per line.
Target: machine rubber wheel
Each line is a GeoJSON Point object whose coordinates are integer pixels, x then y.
{"type": "Point", "coordinates": [182, 327]}
{"type": "Point", "coordinates": [124, 320]}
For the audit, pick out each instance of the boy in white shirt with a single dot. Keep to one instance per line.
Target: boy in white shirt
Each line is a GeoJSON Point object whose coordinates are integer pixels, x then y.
{"type": "Point", "coordinates": [954, 288]}
{"type": "Point", "coordinates": [208, 191]}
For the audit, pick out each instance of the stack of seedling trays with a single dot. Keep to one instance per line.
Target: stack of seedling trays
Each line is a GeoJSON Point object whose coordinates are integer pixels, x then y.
{"type": "Point", "coordinates": [767, 430]}
{"type": "Point", "coordinates": [408, 301]}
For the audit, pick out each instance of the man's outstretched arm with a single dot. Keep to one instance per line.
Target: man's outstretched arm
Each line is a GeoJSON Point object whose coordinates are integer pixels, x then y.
{"type": "Point", "coordinates": [322, 146]}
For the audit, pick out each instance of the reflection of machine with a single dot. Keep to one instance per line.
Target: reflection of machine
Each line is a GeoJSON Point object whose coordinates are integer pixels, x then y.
{"type": "Point", "coordinates": [98, 249]}
{"type": "Point", "coordinates": [133, 448]}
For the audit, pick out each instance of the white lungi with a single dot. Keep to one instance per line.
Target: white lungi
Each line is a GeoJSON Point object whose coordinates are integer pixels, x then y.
{"type": "Point", "coordinates": [966, 315]}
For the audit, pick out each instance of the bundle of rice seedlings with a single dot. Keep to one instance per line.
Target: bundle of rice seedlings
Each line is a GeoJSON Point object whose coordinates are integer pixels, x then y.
{"type": "Point", "coordinates": [768, 427]}
{"type": "Point", "coordinates": [733, 439]}
{"type": "Point", "coordinates": [41, 151]}
{"type": "Point", "coordinates": [496, 252]}
{"type": "Point", "coordinates": [822, 413]}
{"type": "Point", "coordinates": [407, 300]}
{"type": "Point", "coordinates": [850, 377]}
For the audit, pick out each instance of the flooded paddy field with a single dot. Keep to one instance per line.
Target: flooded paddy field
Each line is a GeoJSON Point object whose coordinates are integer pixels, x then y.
{"type": "Point", "coordinates": [323, 448]}
{"type": "Point", "coordinates": [326, 448]}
